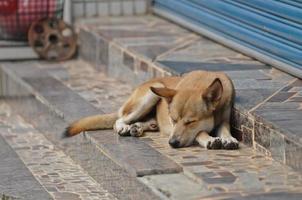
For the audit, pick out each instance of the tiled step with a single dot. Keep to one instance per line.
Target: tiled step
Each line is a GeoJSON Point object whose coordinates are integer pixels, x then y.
{"type": "Point", "coordinates": [49, 105]}
{"type": "Point", "coordinates": [215, 174]}
{"type": "Point", "coordinates": [206, 174]}
{"type": "Point", "coordinates": [16, 180]}
{"type": "Point", "coordinates": [267, 110]}
{"type": "Point", "coordinates": [45, 172]}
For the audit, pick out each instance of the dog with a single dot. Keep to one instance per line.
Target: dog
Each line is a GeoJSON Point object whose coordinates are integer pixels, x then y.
{"type": "Point", "coordinates": [194, 108]}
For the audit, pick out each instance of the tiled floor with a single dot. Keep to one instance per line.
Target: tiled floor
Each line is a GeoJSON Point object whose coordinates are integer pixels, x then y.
{"type": "Point", "coordinates": [242, 172]}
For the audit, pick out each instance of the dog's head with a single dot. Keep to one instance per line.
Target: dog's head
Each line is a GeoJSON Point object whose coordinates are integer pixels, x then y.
{"type": "Point", "coordinates": [190, 111]}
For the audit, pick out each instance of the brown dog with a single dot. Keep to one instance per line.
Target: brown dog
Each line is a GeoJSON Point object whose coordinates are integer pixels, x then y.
{"type": "Point", "coordinates": [187, 108]}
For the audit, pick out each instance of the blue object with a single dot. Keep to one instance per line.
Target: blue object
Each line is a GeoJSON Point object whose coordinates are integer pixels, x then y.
{"type": "Point", "coordinates": [270, 27]}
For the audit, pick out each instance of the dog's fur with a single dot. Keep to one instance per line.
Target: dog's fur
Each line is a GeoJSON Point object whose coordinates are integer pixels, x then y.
{"type": "Point", "coordinates": [195, 107]}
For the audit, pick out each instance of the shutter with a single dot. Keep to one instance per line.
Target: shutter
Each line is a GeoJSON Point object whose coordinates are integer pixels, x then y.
{"type": "Point", "coordinates": [269, 30]}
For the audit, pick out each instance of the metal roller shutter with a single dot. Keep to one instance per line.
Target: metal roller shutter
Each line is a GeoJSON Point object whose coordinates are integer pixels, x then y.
{"type": "Point", "coordinates": [269, 30]}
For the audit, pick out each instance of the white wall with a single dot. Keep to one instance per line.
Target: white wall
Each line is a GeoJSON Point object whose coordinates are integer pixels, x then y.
{"type": "Point", "coordinates": [95, 8]}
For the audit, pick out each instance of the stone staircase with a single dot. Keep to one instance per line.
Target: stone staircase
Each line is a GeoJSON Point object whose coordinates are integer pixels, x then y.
{"type": "Point", "coordinates": [118, 50]}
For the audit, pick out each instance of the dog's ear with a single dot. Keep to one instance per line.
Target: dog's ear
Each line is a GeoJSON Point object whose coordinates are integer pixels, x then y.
{"type": "Point", "coordinates": [167, 93]}
{"type": "Point", "coordinates": [213, 93]}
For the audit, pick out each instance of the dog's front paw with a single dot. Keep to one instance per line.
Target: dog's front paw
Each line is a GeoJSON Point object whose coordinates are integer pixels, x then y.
{"type": "Point", "coordinates": [125, 131]}
{"type": "Point", "coordinates": [136, 130]}
{"type": "Point", "coordinates": [230, 143]}
{"type": "Point", "coordinates": [122, 129]}
{"type": "Point", "coordinates": [214, 143]}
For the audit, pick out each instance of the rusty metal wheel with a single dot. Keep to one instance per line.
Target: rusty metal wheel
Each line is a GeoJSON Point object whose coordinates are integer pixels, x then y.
{"type": "Point", "coordinates": [52, 39]}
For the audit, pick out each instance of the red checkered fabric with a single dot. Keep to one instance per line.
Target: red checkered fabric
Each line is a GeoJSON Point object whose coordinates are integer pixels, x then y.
{"type": "Point", "coordinates": [8, 7]}
{"type": "Point", "coordinates": [28, 11]}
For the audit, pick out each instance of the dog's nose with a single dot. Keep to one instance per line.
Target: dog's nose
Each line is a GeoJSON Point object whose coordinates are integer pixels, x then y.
{"type": "Point", "coordinates": [174, 143]}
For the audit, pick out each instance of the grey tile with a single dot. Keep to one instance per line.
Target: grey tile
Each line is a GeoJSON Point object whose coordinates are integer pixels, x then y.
{"type": "Point", "coordinates": [140, 36]}
{"type": "Point", "coordinates": [61, 97]}
{"type": "Point", "coordinates": [115, 8]}
{"type": "Point", "coordinates": [128, 7]}
{"type": "Point", "coordinates": [293, 126]}
{"type": "Point", "coordinates": [187, 66]}
{"type": "Point", "coordinates": [247, 136]}
{"type": "Point", "coordinates": [150, 52]}
{"type": "Point", "coordinates": [273, 106]}
{"type": "Point", "coordinates": [103, 8]}
{"type": "Point", "coordinates": [278, 115]}
{"type": "Point", "coordinates": [277, 146]}
{"type": "Point", "coordinates": [247, 99]}
{"type": "Point", "coordinates": [134, 155]}
{"type": "Point", "coordinates": [88, 45]}
{"type": "Point", "coordinates": [281, 96]}
{"type": "Point", "coordinates": [271, 196]}
{"type": "Point", "coordinates": [102, 53]}
{"type": "Point", "coordinates": [128, 61]}
{"type": "Point", "coordinates": [205, 50]}
{"type": "Point", "coordinates": [16, 179]}
{"type": "Point", "coordinates": [293, 154]}
{"type": "Point", "coordinates": [176, 186]}
{"type": "Point", "coordinates": [140, 6]}
{"type": "Point", "coordinates": [144, 66]}
{"type": "Point", "coordinates": [253, 84]}
{"type": "Point", "coordinates": [91, 9]}
{"type": "Point", "coordinates": [116, 67]}
{"type": "Point", "coordinates": [240, 117]}
{"type": "Point", "coordinates": [78, 10]}
{"type": "Point", "coordinates": [262, 135]}
{"type": "Point", "coordinates": [248, 74]}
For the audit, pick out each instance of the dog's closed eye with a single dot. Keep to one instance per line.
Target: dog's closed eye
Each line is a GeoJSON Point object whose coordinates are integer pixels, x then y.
{"type": "Point", "coordinates": [188, 122]}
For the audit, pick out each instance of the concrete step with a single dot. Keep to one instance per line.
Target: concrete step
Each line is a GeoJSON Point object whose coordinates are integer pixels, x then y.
{"type": "Point", "coordinates": [267, 110]}
{"type": "Point", "coordinates": [50, 95]}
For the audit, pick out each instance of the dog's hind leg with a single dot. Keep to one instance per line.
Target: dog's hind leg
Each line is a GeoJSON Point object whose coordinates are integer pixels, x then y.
{"type": "Point", "coordinates": [138, 128]}
{"type": "Point", "coordinates": [139, 105]}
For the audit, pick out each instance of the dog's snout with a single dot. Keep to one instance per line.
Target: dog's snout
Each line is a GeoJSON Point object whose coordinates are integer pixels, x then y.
{"type": "Point", "coordinates": [174, 143]}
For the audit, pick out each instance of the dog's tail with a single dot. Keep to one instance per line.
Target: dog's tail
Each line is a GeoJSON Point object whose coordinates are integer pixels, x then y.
{"type": "Point", "coordinates": [91, 123]}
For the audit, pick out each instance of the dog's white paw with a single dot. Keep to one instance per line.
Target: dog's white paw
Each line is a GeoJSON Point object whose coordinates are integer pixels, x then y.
{"type": "Point", "coordinates": [214, 143]}
{"type": "Point", "coordinates": [136, 130]}
{"type": "Point", "coordinates": [121, 128]}
{"type": "Point", "coordinates": [230, 143]}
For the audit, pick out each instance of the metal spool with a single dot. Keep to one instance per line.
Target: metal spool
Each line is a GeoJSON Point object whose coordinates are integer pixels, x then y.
{"type": "Point", "coordinates": [52, 39]}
